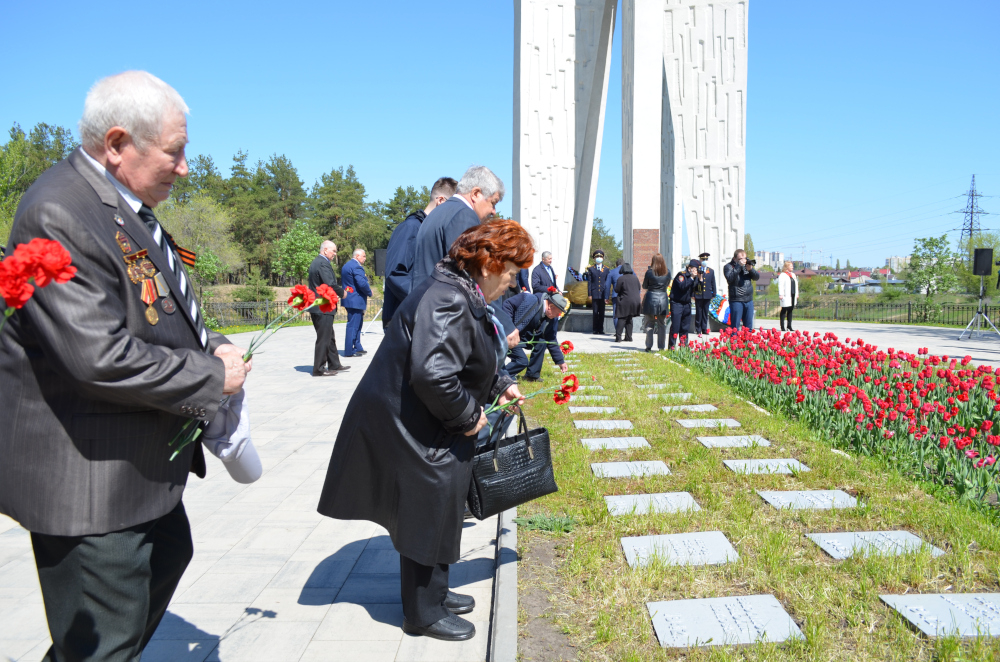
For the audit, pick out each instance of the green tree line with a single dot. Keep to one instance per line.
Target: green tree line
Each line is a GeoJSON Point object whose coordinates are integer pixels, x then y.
{"type": "Point", "coordinates": [258, 223]}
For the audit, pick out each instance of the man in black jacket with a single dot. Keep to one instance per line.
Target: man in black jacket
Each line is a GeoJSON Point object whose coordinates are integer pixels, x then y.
{"type": "Point", "coordinates": [326, 360]}
{"type": "Point", "coordinates": [536, 317]}
{"type": "Point", "coordinates": [399, 253]}
{"type": "Point", "coordinates": [740, 275]}
{"type": "Point", "coordinates": [704, 292]}
{"type": "Point", "coordinates": [598, 278]}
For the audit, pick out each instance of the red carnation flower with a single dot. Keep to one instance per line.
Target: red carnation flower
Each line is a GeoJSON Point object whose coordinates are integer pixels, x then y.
{"type": "Point", "coordinates": [561, 396]}
{"type": "Point", "coordinates": [571, 383]}
{"type": "Point", "coordinates": [349, 289]}
{"type": "Point", "coordinates": [326, 298]}
{"type": "Point", "coordinates": [46, 260]}
{"type": "Point", "coordinates": [566, 346]}
{"type": "Point", "coordinates": [302, 297]}
{"type": "Point", "coordinates": [552, 290]}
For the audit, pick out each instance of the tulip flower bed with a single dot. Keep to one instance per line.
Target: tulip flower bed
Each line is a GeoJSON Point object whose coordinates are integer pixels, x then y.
{"type": "Point", "coordinates": [932, 417]}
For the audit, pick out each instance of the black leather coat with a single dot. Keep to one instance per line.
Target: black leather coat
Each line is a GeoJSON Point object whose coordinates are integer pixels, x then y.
{"type": "Point", "coordinates": [400, 458]}
{"type": "Point", "coordinates": [629, 294]}
{"type": "Point", "coordinates": [655, 302]}
{"type": "Point", "coordinates": [740, 279]}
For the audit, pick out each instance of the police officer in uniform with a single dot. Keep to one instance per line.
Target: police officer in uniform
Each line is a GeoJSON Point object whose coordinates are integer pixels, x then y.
{"type": "Point", "coordinates": [681, 295]}
{"type": "Point", "coordinates": [704, 292]}
{"type": "Point", "coordinates": [599, 289]}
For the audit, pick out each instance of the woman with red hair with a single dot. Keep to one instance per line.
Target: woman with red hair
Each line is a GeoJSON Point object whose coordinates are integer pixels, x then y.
{"type": "Point", "coordinates": [403, 457]}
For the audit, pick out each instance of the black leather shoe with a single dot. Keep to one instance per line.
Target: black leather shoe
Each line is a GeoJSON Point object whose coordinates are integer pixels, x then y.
{"type": "Point", "coordinates": [457, 603]}
{"type": "Point", "coordinates": [361, 353]}
{"type": "Point", "coordinates": [325, 373]}
{"type": "Point", "coordinates": [450, 628]}
{"type": "Point", "coordinates": [532, 379]}
{"type": "Point", "coordinates": [341, 368]}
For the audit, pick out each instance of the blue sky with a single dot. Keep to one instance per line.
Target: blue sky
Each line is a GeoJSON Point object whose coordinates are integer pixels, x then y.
{"type": "Point", "coordinates": [865, 120]}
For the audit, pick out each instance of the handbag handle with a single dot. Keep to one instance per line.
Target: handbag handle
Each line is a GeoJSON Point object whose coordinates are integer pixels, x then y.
{"type": "Point", "coordinates": [522, 425]}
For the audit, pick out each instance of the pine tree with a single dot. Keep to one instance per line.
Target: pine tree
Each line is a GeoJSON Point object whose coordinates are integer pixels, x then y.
{"type": "Point", "coordinates": [748, 246]}
{"type": "Point", "coordinates": [838, 264]}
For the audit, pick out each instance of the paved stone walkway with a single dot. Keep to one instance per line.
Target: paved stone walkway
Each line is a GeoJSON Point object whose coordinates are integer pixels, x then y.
{"type": "Point", "coordinates": [271, 579]}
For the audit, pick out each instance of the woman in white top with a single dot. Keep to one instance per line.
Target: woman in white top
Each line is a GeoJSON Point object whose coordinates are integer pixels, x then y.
{"type": "Point", "coordinates": [788, 294]}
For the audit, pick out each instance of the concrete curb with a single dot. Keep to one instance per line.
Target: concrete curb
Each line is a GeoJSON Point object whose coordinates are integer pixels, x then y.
{"type": "Point", "coordinates": [502, 645]}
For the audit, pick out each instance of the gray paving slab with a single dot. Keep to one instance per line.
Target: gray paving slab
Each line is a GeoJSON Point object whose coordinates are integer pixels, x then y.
{"type": "Point", "coordinates": [653, 387]}
{"type": "Point", "coordinates": [949, 614]}
{"type": "Point", "coordinates": [809, 499]}
{"type": "Point", "coordinates": [843, 544]}
{"type": "Point", "coordinates": [588, 398]}
{"type": "Point", "coordinates": [591, 387]}
{"type": "Point", "coordinates": [721, 621]}
{"type": "Point", "coordinates": [698, 548]}
{"type": "Point", "coordinates": [708, 422]}
{"type": "Point", "coordinates": [786, 466]}
{"type": "Point", "coordinates": [593, 410]}
{"type": "Point", "coordinates": [642, 504]}
{"type": "Point", "coordinates": [629, 469]}
{"type": "Point", "coordinates": [614, 443]}
{"type": "Point", "coordinates": [633, 372]}
{"type": "Point", "coordinates": [690, 408]}
{"type": "Point", "coordinates": [734, 441]}
{"type": "Point", "coordinates": [669, 396]}
{"type": "Point", "coordinates": [603, 425]}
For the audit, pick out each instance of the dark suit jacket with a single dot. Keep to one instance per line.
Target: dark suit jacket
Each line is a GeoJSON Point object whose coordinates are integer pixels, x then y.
{"type": "Point", "coordinates": [398, 261]}
{"type": "Point", "coordinates": [437, 233]}
{"type": "Point", "coordinates": [599, 282]}
{"type": "Point", "coordinates": [321, 273]}
{"type": "Point", "coordinates": [92, 393]}
{"type": "Point", "coordinates": [353, 275]}
{"type": "Point", "coordinates": [523, 280]}
{"type": "Point", "coordinates": [540, 280]}
{"type": "Point", "coordinates": [708, 291]}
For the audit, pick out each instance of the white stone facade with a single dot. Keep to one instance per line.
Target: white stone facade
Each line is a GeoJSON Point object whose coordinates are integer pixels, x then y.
{"type": "Point", "coordinates": [561, 56]}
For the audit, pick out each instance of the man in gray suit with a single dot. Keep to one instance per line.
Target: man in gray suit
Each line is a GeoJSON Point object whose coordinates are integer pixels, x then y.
{"type": "Point", "coordinates": [475, 200]}
{"type": "Point", "coordinates": [99, 374]}
{"type": "Point", "coordinates": [326, 360]}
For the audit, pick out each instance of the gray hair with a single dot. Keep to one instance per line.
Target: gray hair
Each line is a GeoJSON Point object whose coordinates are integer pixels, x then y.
{"type": "Point", "coordinates": [482, 178]}
{"type": "Point", "coordinates": [546, 254]}
{"type": "Point", "coordinates": [327, 244]}
{"type": "Point", "coordinates": [358, 251]}
{"type": "Point", "coordinates": [136, 101]}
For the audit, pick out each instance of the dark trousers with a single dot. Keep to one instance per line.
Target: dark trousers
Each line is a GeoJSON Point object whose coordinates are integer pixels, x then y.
{"type": "Point", "coordinates": [517, 361]}
{"type": "Point", "coordinates": [741, 314]}
{"type": "Point", "coordinates": [624, 324]}
{"type": "Point", "coordinates": [701, 315]}
{"type": "Point", "coordinates": [325, 353]}
{"type": "Point", "coordinates": [352, 343]}
{"type": "Point", "coordinates": [614, 311]}
{"type": "Point", "coordinates": [786, 313]}
{"type": "Point", "coordinates": [105, 594]}
{"type": "Point", "coordinates": [598, 316]}
{"type": "Point", "coordinates": [659, 324]}
{"type": "Point", "coordinates": [680, 323]}
{"type": "Point", "coordinates": [423, 589]}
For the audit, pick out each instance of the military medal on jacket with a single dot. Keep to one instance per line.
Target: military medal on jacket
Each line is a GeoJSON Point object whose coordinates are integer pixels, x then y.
{"type": "Point", "coordinates": [142, 272]}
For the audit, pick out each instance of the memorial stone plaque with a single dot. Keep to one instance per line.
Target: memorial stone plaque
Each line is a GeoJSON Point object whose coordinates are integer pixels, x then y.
{"type": "Point", "coordinates": [765, 466]}
{"type": "Point", "coordinates": [614, 443]}
{"type": "Point", "coordinates": [700, 548]}
{"type": "Point", "coordinates": [643, 504]}
{"type": "Point", "coordinates": [629, 469]}
{"type": "Point", "coordinates": [591, 387]}
{"type": "Point", "coordinates": [632, 372]}
{"type": "Point", "coordinates": [737, 441]}
{"type": "Point", "coordinates": [870, 543]}
{"type": "Point", "coordinates": [588, 398]}
{"type": "Point", "coordinates": [809, 499]}
{"type": "Point", "coordinates": [669, 396]}
{"type": "Point", "coordinates": [708, 422]}
{"type": "Point", "coordinates": [945, 614]}
{"type": "Point", "coordinates": [656, 387]}
{"type": "Point", "coordinates": [721, 621]}
{"type": "Point", "coordinates": [592, 410]}
{"type": "Point", "coordinates": [692, 408]}
{"type": "Point", "coordinates": [603, 425]}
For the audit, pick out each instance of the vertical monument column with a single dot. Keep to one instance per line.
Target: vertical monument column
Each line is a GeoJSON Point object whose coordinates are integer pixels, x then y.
{"type": "Point", "coordinates": [642, 112]}
{"type": "Point", "coordinates": [561, 55]}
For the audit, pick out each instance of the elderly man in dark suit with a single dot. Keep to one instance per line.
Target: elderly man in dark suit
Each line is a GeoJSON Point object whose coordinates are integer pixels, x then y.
{"type": "Point", "coordinates": [536, 318]}
{"type": "Point", "coordinates": [99, 374]}
{"type": "Point", "coordinates": [399, 252]}
{"type": "Point", "coordinates": [326, 360]}
{"type": "Point", "coordinates": [543, 276]}
{"type": "Point", "coordinates": [356, 294]}
{"type": "Point", "coordinates": [478, 193]}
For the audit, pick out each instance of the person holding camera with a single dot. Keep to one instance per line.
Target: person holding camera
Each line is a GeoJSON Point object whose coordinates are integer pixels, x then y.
{"type": "Point", "coordinates": [740, 275]}
{"type": "Point", "coordinates": [681, 295]}
{"type": "Point", "coordinates": [704, 292]}
{"type": "Point", "coordinates": [788, 294]}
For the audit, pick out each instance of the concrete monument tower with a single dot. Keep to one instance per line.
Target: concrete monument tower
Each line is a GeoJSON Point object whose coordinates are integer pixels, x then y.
{"type": "Point", "coordinates": [684, 82]}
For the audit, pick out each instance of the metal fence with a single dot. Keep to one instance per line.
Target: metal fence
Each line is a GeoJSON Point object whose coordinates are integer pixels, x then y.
{"type": "Point", "coordinates": [888, 313]}
{"type": "Point", "coordinates": [219, 315]}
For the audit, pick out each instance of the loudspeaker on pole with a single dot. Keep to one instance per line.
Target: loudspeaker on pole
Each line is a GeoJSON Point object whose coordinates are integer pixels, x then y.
{"type": "Point", "coordinates": [380, 262]}
{"type": "Point", "coordinates": [982, 262]}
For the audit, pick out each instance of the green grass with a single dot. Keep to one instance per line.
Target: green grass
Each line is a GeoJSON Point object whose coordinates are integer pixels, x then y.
{"type": "Point", "coordinates": [835, 603]}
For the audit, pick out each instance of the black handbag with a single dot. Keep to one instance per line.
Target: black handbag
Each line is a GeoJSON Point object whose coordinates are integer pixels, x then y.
{"type": "Point", "coordinates": [511, 471]}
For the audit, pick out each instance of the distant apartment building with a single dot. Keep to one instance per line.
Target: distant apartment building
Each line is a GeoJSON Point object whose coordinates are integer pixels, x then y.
{"type": "Point", "coordinates": [774, 259]}
{"type": "Point", "coordinates": [897, 263]}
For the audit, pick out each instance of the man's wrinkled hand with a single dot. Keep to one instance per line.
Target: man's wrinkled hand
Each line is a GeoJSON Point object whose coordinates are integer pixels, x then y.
{"type": "Point", "coordinates": [236, 368]}
{"type": "Point", "coordinates": [480, 424]}
{"type": "Point", "coordinates": [513, 339]}
{"type": "Point", "coordinates": [563, 367]}
{"type": "Point", "coordinates": [512, 394]}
